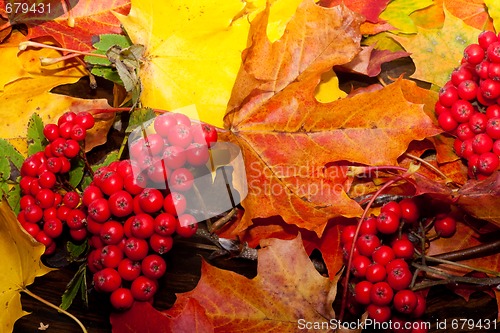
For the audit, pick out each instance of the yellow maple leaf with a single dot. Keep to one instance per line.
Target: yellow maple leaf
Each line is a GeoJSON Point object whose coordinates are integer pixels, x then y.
{"type": "Point", "coordinates": [195, 56]}
{"type": "Point", "coordinates": [27, 95]}
{"type": "Point", "coordinates": [8, 55]}
{"type": "Point", "coordinates": [494, 12]}
{"type": "Point", "coordinates": [20, 266]}
{"type": "Point", "coordinates": [438, 48]}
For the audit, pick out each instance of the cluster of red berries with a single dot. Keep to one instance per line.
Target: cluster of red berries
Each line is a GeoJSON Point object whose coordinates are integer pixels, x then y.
{"type": "Point", "coordinates": [134, 207]}
{"type": "Point", "coordinates": [468, 106]}
{"type": "Point", "coordinates": [382, 275]}
{"type": "Point", "coordinates": [169, 148]}
{"type": "Point", "coordinates": [45, 203]}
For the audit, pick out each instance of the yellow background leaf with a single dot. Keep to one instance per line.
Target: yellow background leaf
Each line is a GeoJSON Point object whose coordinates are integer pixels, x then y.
{"type": "Point", "coordinates": [328, 89]}
{"type": "Point", "coordinates": [438, 48]}
{"type": "Point", "coordinates": [20, 265]}
{"type": "Point", "coordinates": [8, 55]}
{"type": "Point", "coordinates": [194, 59]}
{"type": "Point", "coordinates": [494, 12]}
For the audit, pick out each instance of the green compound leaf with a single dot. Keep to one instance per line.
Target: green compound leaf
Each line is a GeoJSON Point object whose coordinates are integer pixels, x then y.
{"type": "Point", "coordinates": [107, 41]}
{"type": "Point", "coordinates": [76, 172]}
{"type": "Point", "coordinates": [77, 283]}
{"type": "Point", "coordinates": [111, 157]}
{"type": "Point", "coordinates": [14, 198]}
{"type": "Point", "coordinates": [138, 117]}
{"type": "Point", "coordinates": [10, 165]}
{"type": "Point", "coordinates": [35, 134]}
{"type": "Point", "coordinates": [102, 66]}
{"type": "Point", "coordinates": [76, 250]}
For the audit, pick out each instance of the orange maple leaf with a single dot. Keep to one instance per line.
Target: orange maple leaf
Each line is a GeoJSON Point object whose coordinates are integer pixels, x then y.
{"type": "Point", "coordinates": [287, 288]}
{"type": "Point", "coordinates": [289, 140]}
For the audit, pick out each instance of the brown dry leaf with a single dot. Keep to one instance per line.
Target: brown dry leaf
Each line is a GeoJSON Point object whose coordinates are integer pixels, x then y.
{"type": "Point", "coordinates": [481, 198]}
{"type": "Point", "coordinates": [287, 288]}
{"type": "Point", "coordinates": [21, 264]}
{"type": "Point", "coordinates": [369, 60]}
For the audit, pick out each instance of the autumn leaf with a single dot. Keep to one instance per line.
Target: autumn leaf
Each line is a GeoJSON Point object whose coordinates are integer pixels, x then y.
{"type": "Point", "coordinates": [481, 198]}
{"type": "Point", "coordinates": [464, 238]}
{"type": "Point", "coordinates": [194, 58]}
{"type": "Point", "coordinates": [72, 23]}
{"type": "Point", "coordinates": [369, 60]}
{"type": "Point", "coordinates": [21, 264]}
{"type": "Point", "coordinates": [288, 138]}
{"type": "Point", "coordinates": [287, 288]}
{"type": "Point", "coordinates": [474, 13]}
{"type": "Point", "coordinates": [438, 48]}
{"type": "Point", "coordinates": [275, 227]}
{"type": "Point", "coordinates": [397, 13]}
{"type": "Point", "coordinates": [369, 9]}
{"type": "Point", "coordinates": [23, 97]}
{"type": "Point", "coordinates": [185, 316]}
{"type": "Point", "coordinates": [494, 12]}
{"type": "Point", "coordinates": [8, 55]}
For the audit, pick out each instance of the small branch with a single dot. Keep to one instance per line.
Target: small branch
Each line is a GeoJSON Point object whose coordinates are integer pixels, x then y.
{"type": "Point", "coordinates": [474, 252]}
{"type": "Point", "coordinates": [453, 263]}
{"type": "Point", "coordinates": [44, 301]}
{"type": "Point", "coordinates": [24, 45]}
{"type": "Point", "coordinates": [430, 166]}
{"type": "Point", "coordinates": [223, 220]}
{"type": "Point", "coordinates": [50, 61]}
{"type": "Point", "coordinates": [459, 279]}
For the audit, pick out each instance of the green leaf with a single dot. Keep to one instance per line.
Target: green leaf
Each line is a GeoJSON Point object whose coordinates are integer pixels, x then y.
{"type": "Point", "coordinates": [108, 73]}
{"type": "Point", "coordinates": [106, 41]}
{"type": "Point", "coordinates": [76, 250]}
{"type": "Point", "coordinates": [110, 158]}
{"type": "Point", "coordinates": [138, 117]}
{"type": "Point", "coordinates": [10, 160]}
{"type": "Point", "coordinates": [74, 286]}
{"type": "Point", "coordinates": [76, 172]}
{"type": "Point", "coordinates": [127, 62]}
{"type": "Point", "coordinates": [35, 134]}
{"type": "Point", "coordinates": [7, 151]}
{"type": "Point", "coordinates": [14, 198]}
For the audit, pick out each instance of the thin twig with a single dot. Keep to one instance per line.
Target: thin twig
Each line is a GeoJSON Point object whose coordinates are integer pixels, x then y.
{"type": "Point", "coordinates": [458, 279]}
{"type": "Point", "coordinates": [44, 301]}
{"type": "Point", "coordinates": [471, 268]}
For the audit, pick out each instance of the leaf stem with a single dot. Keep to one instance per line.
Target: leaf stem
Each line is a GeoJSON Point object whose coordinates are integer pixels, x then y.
{"type": "Point", "coordinates": [458, 279]}
{"type": "Point", "coordinates": [430, 166]}
{"type": "Point", "coordinates": [453, 263]}
{"type": "Point", "coordinates": [24, 45]}
{"type": "Point", "coordinates": [473, 252]}
{"type": "Point", "coordinates": [44, 301]}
